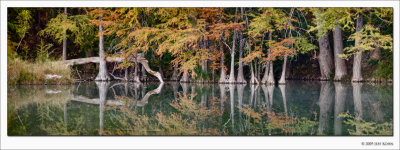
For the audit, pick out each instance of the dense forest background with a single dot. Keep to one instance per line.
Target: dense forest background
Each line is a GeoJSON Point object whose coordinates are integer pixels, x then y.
{"type": "Point", "coordinates": [225, 45]}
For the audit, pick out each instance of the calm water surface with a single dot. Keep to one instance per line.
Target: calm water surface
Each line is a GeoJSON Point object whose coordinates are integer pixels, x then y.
{"type": "Point", "coordinates": [114, 108]}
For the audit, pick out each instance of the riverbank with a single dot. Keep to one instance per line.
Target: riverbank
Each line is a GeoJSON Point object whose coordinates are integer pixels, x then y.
{"type": "Point", "coordinates": [44, 72]}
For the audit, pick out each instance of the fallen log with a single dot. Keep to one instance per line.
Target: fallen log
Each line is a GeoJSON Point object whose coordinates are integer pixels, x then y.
{"type": "Point", "coordinates": [140, 59]}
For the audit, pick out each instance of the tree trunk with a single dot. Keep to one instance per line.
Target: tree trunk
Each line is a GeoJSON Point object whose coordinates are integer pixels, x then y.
{"type": "Point", "coordinates": [144, 75]}
{"type": "Point", "coordinates": [240, 77]}
{"type": "Point", "coordinates": [325, 106]}
{"type": "Point", "coordinates": [126, 77]}
{"type": "Point", "coordinates": [265, 90]}
{"type": "Point", "coordinates": [64, 53]}
{"type": "Point", "coordinates": [270, 97]}
{"type": "Point", "coordinates": [325, 54]}
{"type": "Point", "coordinates": [271, 79]}
{"type": "Point", "coordinates": [222, 78]}
{"type": "Point", "coordinates": [103, 88]}
{"type": "Point", "coordinates": [103, 73]}
{"type": "Point", "coordinates": [175, 74]}
{"type": "Point", "coordinates": [265, 77]}
{"type": "Point", "coordinates": [357, 96]}
{"type": "Point", "coordinates": [283, 91]}
{"type": "Point", "coordinates": [232, 71]}
{"type": "Point", "coordinates": [357, 77]}
{"type": "Point", "coordinates": [140, 58]}
{"type": "Point", "coordinates": [135, 74]}
{"type": "Point", "coordinates": [340, 100]}
{"type": "Point", "coordinates": [253, 79]}
{"type": "Point", "coordinates": [258, 72]}
{"type": "Point", "coordinates": [340, 64]}
{"type": "Point", "coordinates": [376, 53]}
{"type": "Point", "coordinates": [283, 76]}
{"type": "Point", "coordinates": [185, 76]}
{"type": "Point", "coordinates": [232, 102]}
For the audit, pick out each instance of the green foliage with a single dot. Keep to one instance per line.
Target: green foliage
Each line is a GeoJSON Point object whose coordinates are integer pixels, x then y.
{"type": "Point", "coordinates": [370, 38]}
{"type": "Point", "coordinates": [362, 127]}
{"type": "Point", "coordinates": [384, 69]}
{"type": "Point", "coordinates": [327, 18]}
{"type": "Point", "coordinates": [302, 45]}
{"type": "Point", "coordinates": [43, 52]}
{"type": "Point", "coordinates": [24, 20]}
{"type": "Point", "coordinates": [57, 27]}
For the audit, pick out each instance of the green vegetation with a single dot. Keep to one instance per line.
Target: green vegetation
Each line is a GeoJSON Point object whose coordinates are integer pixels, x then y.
{"type": "Point", "coordinates": [362, 127]}
{"type": "Point", "coordinates": [201, 44]}
{"type": "Point", "coordinates": [46, 72]}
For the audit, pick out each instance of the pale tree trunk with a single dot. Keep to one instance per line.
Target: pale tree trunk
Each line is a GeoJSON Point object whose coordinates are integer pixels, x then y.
{"type": "Point", "coordinates": [103, 73]}
{"type": "Point", "coordinates": [357, 77]}
{"type": "Point", "coordinates": [259, 72]}
{"type": "Point", "coordinates": [64, 53]}
{"type": "Point", "coordinates": [185, 76]}
{"type": "Point", "coordinates": [103, 88]}
{"type": "Point", "coordinates": [232, 98]}
{"type": "Point", "coordinates": [340, 100]}
{"type": "Point", "coordinates": [135, 74]}
{"type": "Point", "coordinates": [252, 90]}
{"type": "Point", "coordinates": [325, 54]}
{"type": "Point", "coordinates": [126, 77]}
{"type": "Point", "coordinates": [357, 99]}
{"type": "Point", "coordinates": [271, 79]}
{"type": "Point", "coordinates": [283, 75]}
{"type": "Point", "coordinates": [175, 87]}
{"type": "Point", "coordinates": [376, 53]}
{"type": "Point", "coordinates": [325, 105]}
{"type": "Point", "coordinates": [270, 97]}
{"type": "Point", "coordinates": [185, 88]}
{"type": "Point", "coordinates": [175, 74]}
{"type": "Point", "coordinates": [265, 77]}
{"type": "Point", "coordinates": [283, 91]}
{"type": "Point", "coordinates": [357, 104]}
{"type": "Point", "coordinates": [265, 90]}
{"type": "Point", "coordinates": [240, 77]}
{"type": "Point", "coordinates": [240, 89]}
{"type": "Point", "coordinates": [253, 79]}
{"type": "Point", "coordinates": [232, 71]}
{"type": "Point", "coordinates": [144, 75]}
{"type": "Point", "coordinates": [204, 64]}
{"type": "Point", "coordinates": [222, 78]}
{"type": "Point", "coordinates": [340, 64]}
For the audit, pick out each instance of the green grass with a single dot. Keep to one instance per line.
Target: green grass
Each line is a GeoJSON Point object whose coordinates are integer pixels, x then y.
{"type": "Point", "coordinates": [24, 72]}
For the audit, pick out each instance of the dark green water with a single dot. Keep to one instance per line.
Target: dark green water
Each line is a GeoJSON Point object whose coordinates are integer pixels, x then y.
{"type": "Point", "coordinates": [297, 108]}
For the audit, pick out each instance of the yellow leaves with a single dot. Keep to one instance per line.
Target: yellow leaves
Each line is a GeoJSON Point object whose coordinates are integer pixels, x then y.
{"type": "Point", "coordinates": [252, 114]}
{"type": "Point", "coordinates": [369, 38]}
{"type": "Point", "coordinates": [252, 55]}
{"type": "Point", "coordinates": [281, 49]}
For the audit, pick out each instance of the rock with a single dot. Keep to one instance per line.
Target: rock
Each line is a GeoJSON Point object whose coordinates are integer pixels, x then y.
{"type": "Point", "coordinates": [52, 76]}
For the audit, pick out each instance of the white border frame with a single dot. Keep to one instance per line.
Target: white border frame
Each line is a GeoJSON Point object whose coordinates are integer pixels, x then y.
{"type": "Point", "coordinates": [207, 142]}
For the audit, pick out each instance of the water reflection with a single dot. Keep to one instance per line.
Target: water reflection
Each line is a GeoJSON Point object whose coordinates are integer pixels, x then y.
{"type": "Point", "coordinates": [108, 108]}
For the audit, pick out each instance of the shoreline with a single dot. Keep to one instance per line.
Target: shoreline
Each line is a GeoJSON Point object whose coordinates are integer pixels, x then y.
{"type": "Point", "coordinates": [384, 81]}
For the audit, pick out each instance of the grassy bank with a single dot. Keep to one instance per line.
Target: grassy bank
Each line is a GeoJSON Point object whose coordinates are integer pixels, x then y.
{"type": "Point", "coordinates": [42, 72]}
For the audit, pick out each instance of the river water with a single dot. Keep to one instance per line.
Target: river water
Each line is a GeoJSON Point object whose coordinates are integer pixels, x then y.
{"type": "Point", "coordinates": [299, 108]}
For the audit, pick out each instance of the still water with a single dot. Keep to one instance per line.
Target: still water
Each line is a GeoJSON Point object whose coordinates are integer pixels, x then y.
{"type": "Point", "coordinates": [299, 108]}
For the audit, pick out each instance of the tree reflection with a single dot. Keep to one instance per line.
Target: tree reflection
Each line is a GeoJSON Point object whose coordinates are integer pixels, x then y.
{"type": "Point", "coordinates": [325, 106]}
{"type": "Point", "coordinates": [107, 108]}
